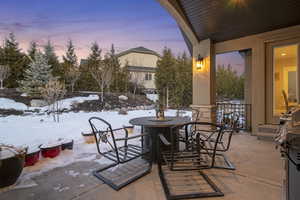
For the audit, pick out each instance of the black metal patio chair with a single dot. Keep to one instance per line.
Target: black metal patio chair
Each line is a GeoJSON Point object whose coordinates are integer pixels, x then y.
{"type": "Point", "coordinates": [230, 125]}
{"type": "Point", "coordinates": [182, 172]}
{"type": "Point", "coordinates": [128, 161]}
{"type": "Point", "coordinates": [183, 134]}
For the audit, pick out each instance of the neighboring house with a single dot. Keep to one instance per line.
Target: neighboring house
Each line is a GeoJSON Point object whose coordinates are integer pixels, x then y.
{"type": "Point", "coordinates": [141, 63]}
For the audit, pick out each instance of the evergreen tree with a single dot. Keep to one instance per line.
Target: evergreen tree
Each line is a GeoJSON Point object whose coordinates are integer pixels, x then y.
{"type": "Point", "coordinates": [181, 94]}
{"type": "Point", "coordinates": [15, 59]}
{"type": "Point", "coordinates": [165, 77]}
{"type": "Point", "coordinates": [70, 59]}
{"type": "Point", "coordinates": [50, 55]}
{"type": "Point", "coordinates": [86, 81]}
{"type": "Point", "coordinates": [70, 62]}
{"type": "Point", "coordinates": [32, 50]}
{"type": "Point", "coordinates": [99, 69]}
{"type": "Point", "coordinates": [116, 83]}
{"type": "Point", "coordinates": [229, 84]}
{"type": "Point", "coordinates": [37, 75]}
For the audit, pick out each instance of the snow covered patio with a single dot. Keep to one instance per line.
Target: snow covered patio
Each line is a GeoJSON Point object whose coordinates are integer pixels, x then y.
{"type": "Point", "coordinates": [258, 176]}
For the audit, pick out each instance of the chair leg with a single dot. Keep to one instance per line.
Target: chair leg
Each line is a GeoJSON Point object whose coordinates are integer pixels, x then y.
{"type": "Point", "coordinates": [228, 164]}
{"type": "Point", "coordinates": [216, 192]}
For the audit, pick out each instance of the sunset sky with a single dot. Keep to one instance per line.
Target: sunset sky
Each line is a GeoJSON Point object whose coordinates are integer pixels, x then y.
{"type": "Point", "coordinates": [126, 23]}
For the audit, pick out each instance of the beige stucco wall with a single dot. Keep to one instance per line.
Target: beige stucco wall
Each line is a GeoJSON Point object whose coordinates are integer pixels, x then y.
{"type": "Point", "coordinates": [141, 60]}
{"type": "Point", "coordinates": [261, 75]}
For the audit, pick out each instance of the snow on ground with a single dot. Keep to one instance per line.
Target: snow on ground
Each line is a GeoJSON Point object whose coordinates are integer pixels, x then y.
{"type": "Point", "coordinates": [38, 129]}
{"type": "Point", "coordinates": [6, 103]}
{"type": "Point", "coordinates": [152, 97]}
{"type": "Point", "coordinates": [31, 130]}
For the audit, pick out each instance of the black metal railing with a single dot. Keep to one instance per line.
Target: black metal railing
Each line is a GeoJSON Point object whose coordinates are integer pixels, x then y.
{"type": "Point", "coordinates": [230, 111]}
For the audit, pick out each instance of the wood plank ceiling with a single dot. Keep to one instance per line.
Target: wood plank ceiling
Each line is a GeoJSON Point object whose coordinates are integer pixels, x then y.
{"type": "Point", "coordinates": [222, 20]}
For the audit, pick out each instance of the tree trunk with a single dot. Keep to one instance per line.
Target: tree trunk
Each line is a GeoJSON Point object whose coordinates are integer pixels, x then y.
{"type": "Point", "coordinates": [102, 92]}
{"type": "Point", "coordinates": [72, 87]}
{"type": "Point", "coordinates": [167, 98]}
{"type": "Point", "coordinates": [1, 84]}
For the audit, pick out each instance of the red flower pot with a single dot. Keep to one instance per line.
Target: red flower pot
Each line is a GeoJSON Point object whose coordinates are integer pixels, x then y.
{"type": "Point", "coordinates": [50, 150]}
{"type": "Point", "coordinates": [32, 156]}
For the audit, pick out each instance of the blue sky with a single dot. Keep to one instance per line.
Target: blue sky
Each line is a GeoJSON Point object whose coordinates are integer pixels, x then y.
{"type": "Point", "coordinates": [126, 23]}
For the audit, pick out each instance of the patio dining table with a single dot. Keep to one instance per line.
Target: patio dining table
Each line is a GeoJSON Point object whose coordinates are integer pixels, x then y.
{"type": "Point", "coordinates": [154, 127]}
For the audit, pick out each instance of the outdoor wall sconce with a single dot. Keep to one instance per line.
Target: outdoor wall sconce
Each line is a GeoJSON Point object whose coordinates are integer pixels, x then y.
{"type": "Point", "coordinates": [199, 63]}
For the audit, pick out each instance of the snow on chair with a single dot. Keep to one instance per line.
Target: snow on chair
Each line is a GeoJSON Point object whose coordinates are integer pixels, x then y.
{"type": "Point", "coordinates": [129, 161]}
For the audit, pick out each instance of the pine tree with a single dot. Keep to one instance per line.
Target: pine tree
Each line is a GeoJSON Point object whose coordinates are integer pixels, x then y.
{"type": "Point", "coordinates": [117, 82]}
{"type": "Point", "coordinates": [50, 55]}
{"type": "Point", "coordinates": [86, 81]}
{"type": "Point", "coordinates": [99, 69]}
{"type": "Point", "coordinates": [165, 77]}
{"type": "Point", "coordinates": [32, 49]}
{"type": "Point", "coordinates": [37, 75]}
{"type": "Point", "coordinates": [15, 59]}
{"type": "Point", "coordinates": [70, 62]}
{"type": "Point", "coordinates": [70, 59]}
{"type": "Point", "coordinates": [229, 84]}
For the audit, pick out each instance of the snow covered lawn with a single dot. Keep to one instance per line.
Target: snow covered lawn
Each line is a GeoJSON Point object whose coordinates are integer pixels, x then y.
{"type": "Point", "coordinates": [35, 129]}
{"type": "Point", "coordinates": [6, 103]}
{"type": "Point", "coordinates": [32, 130]}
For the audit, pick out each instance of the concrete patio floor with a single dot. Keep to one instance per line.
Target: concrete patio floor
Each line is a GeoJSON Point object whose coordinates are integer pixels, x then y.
{"type": "Point", "coordinates": [258, 177]}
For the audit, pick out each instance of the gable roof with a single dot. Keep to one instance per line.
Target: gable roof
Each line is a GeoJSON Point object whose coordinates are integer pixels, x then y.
{"type": "Point", "coordinates": [139, 50]}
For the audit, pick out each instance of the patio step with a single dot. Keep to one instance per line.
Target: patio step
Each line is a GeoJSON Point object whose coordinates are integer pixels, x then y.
{"type": "Point", "coordinates": [267, 132]}
{"type": "Point", "coordinates": [268, 128]}
{"type": "Point", "coordinates": [266, 136]}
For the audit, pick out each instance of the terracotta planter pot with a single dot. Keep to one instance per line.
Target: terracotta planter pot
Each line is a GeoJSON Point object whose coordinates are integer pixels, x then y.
{"type": "Point", "coordinates": [32, 157]}
{"type": "Point", "coordinates": [89, 138]}
{"type": "Point", "coordinates": [50, 150]}
{"type": "Point", "coordinates": [11, 166]}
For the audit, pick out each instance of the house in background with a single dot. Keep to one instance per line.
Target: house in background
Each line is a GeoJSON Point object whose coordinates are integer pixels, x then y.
{"type": "Point", "coordinates": [141, 63]}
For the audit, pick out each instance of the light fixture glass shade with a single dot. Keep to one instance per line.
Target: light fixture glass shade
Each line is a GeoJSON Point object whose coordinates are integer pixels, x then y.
{"type": "Point", "coordinates": [199, 63]}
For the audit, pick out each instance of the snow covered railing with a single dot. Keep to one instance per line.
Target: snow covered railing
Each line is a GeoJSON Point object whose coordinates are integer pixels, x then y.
{"type": "Point", "coordinates": [242, 111]}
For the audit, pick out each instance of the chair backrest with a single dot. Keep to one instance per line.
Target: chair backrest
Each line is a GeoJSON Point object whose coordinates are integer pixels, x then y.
{"type": "Point", "coordinates": [199, 132]}
{"type": "Point", "coordinates": [105, 139]}
{"type": "Point", "coordinates": [286, 102]}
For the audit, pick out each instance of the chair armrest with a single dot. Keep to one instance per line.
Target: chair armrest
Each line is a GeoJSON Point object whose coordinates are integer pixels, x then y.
{"type": "Point", "coordinates": [164, 140]}
{"type": "Point", "coordinates": [132, 137]}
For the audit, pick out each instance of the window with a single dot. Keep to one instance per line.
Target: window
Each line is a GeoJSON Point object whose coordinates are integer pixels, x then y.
{"type": "Point", "coordinates": [148, 76]}
{"type": "Point", "coordinates": [285, 77]}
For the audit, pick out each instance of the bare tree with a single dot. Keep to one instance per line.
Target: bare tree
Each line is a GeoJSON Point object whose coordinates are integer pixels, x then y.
{"type": "Point", "coordinates": [52, 92]}
{"type": "Point", "coordinates": [4, 73]}
{"type": "Point", "coordinates": [137, 78]}
{"type": "Point", "coordinates": [102, 74]}
{"type": "Point", "coordinates": [72, 76]}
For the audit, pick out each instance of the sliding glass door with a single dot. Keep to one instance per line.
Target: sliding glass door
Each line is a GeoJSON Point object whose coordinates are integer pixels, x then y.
{"type": "Point", "coordinates": [285, 78]}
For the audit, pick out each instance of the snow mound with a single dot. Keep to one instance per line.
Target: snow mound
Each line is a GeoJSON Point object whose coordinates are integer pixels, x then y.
{"type": "Point", "coordinates": [152, 97]}
{"type": "Point", "coordinates": [6, 103]}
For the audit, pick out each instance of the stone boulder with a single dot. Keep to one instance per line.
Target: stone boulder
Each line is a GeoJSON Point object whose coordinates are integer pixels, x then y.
{"type": "Point", "coordinates": [38, 103]}
{"type": "Point", "coordinates": [123, 98]}
{"type": "Point", "coordinates": [123, 111]}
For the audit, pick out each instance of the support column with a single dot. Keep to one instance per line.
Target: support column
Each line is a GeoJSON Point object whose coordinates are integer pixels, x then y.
{"type": "Point", "coordinates": [247, 55]}
{"type": "Point", "coordinates": [204, 94]}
